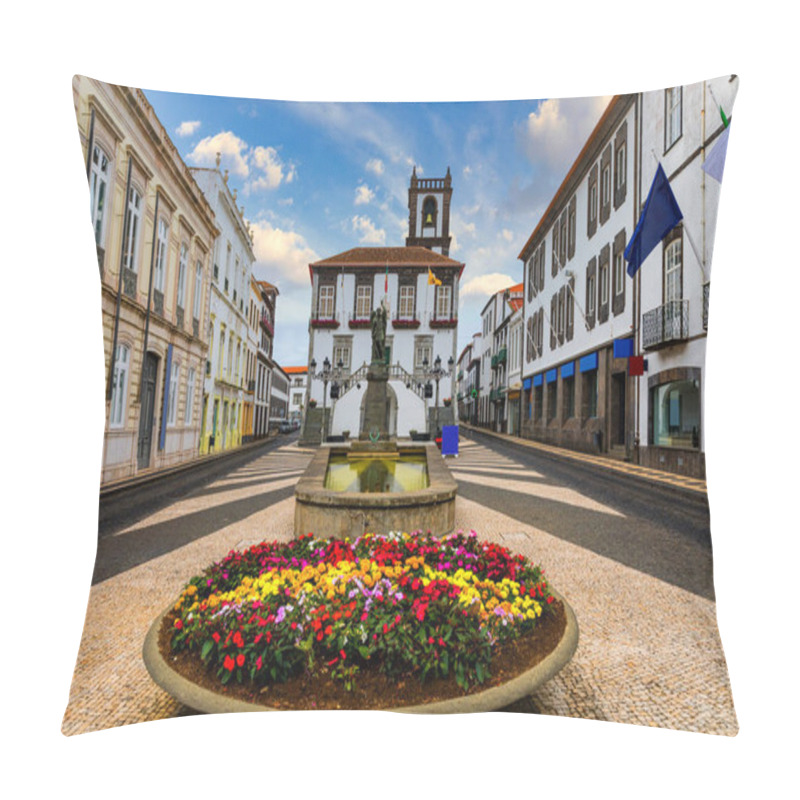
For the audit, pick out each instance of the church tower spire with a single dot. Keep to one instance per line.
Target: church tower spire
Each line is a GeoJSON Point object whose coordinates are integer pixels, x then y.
{"type": "Point", "coordinates": [429, 213]}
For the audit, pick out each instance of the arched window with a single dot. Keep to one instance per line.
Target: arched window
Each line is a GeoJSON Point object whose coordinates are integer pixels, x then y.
{"type": "Point", "coordinates": [429, 212]}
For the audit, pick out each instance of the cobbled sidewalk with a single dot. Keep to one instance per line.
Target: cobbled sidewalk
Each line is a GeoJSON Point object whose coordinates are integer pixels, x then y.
{"type": "Point", "coordinates": [649, 653]}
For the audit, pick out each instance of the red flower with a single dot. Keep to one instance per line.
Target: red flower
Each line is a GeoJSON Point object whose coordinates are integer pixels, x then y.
{"type": "Point", "coordinates": [215, 637]}
{"type": "Point", "coordinates": [258, 663]}
{"type": "Point", "coordinates": [385, 628]}
{"type": "Point", "coordinates": [240, 660]}
{"type": "Point", "coordinates": [178, 623]}
{"type": "Point", "coordinates": [229, 663]}
{"type": "Point", "coordinates": [343, 654]}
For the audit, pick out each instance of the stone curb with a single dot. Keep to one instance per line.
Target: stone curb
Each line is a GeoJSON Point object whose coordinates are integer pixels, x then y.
{"type": "Point", "coordinates": [205, 701]}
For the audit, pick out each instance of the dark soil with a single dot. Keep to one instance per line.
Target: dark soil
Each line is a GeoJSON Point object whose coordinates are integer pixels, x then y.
{"type": "Point", "coordinates": [373, 690]}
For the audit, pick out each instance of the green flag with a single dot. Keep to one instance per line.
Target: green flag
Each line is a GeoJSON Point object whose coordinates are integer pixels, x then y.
{"type": "Point", "coordinates": [725, 120]}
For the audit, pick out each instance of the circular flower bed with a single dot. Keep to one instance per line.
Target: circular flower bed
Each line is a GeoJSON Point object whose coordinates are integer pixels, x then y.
{"type": "Point", "coordinates": [401, 606]}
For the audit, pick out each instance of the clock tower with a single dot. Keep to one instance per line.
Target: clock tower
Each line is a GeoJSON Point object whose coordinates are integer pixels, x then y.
{"type": "Point", "coordinates": [429, 213]}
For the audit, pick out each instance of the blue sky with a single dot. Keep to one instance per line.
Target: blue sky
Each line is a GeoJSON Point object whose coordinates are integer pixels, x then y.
{"type": "Point", "coordinates": [316, 179]}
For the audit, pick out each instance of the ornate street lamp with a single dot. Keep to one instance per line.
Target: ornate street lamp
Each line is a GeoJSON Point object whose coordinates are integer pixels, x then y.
{"type": "Point", "coordinates": [331, 375]}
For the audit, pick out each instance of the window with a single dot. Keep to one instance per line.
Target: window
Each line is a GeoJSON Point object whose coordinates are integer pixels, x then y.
{"type": "Point", "coordinates": [198, 289]}
{"type": "Point", "coordinates": [532, 266]}
{"type": "Point", "coordinates": [161, 255]}
{"type": "Point", "coordinates": [327, 295]}
{"type": "Point", "coordinates": [221, 353]}
{"type": "Point", "coordinates": [423, 351]}
{"type": "Point", "coordinates": [673, 269]}
{"type": "Point", "coordinates": [620, 168]}
{"type": "Point", "coordinates": [363, 301]}
{"type": "Point", "coordinates": [538, 400]}
{"type": "Point", "coordinates": [590, 295]}
{"type": "Point", "coordinates": [130, 243]}
{"type": "Point", "coordinates": [229, 370]}
{"type": "Point", "coordinates": [119, 387]}
{"type": "Point", "coordinates": [342, 348]}
{"type": "Point", "coordinates": [604, 283]}
{"type": "Point", "coordinates": [443, 302]}
{"type": "Point", "coordinates": [172, 399]}
{"type": "Point", "coordinates": [562, 253]}
{"type": "Point", "coordinates": [182, 275]}
{"type": "Point", "coordinates": [673, 124]}
{"type": "Point", "coordinates": [619, 273]}
{"type": "Point", "coordinates": [605, 185]}
{"type": "Point", "coordinates": [98, 189]}
{"type": "Point", "coordinates": [676, 414]}
{"type": "Point", "coordinates": [187, 417]}
{"type": "Point", "coordinates": [405, 303]}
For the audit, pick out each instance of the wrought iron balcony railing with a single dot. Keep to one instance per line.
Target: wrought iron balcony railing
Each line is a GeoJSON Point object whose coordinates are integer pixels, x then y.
{"type": "Point", "coordinates": [665, 324]}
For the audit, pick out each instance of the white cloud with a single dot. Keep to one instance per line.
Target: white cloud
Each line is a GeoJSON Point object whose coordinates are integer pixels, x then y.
{"type": "Point", "coordinates": [467, 171]}
{"type": "Point", "coordinates": [262, 166]}
{"type": "Point", "coordinates": [364, 195]}
{"type": "Point", "coordinates": [375, 165]}
{"type": "Point", "coordinates": [366, 229]}
{"type": "Point", "coordinates": [187, 128]}
{"type": "Point", "coordinates": [506, 234]}
{"type": "Point", "coordinates": [557, 130]}
{"type": "Point", "coordinates": [272, 172]}
{"type": "Point", "coordinates": [281, 254]}
{"type": "Point", "coordinates": [486, 284]}
{"type": "Point", "coordinates": [232, 149]}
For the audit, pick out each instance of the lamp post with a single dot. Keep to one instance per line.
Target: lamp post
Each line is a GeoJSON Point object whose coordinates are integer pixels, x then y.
{"type": "Point", "coordinates": [328, 374]}
{"type": "Point", "coordinates": [437, 373]}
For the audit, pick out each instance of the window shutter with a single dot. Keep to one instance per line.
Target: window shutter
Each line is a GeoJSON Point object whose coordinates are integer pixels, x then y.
{"type": "Point", "coordinates": [553, 301]}
{"type": "Point", "coordinates": [605, 163]}
{"type": "Point", "coordinates": [619, 140]}
{"type": "Point", "coordinates": [602, 264]}
{"type": "Point", "coordinates": [571, 224]}
{"type": "Point", "coordinates": [562, 316]}
{"type": "Point", "coordinates": [591, 286]}
{"type": "Point", "coordinates": [591, 213]}
{"type": "Point", "coordinates": [571, 305]}
{"type": "Point", "coordinates": [618, 296]}
{"type": "Point", "coordinates": [554, 259]}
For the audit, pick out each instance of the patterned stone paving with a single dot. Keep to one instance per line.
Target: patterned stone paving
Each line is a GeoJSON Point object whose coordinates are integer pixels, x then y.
{"type": "Point", "coordinates": [649, 652]}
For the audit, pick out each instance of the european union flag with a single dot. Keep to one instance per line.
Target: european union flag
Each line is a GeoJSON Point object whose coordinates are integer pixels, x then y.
{"type": "Point", "coordinates": [661, 214]}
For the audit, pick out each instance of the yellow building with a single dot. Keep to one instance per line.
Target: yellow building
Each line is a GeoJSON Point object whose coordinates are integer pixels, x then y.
{"type": "Point", "coordinates": [155, 236]}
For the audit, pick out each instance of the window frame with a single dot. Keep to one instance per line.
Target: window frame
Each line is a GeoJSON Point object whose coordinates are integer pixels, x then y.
{"type": "Point", "coordinates": [119, 389]}
{"type": "Point", "coordinates": [99, 175]}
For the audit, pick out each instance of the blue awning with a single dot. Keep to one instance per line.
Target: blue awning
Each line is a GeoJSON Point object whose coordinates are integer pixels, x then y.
{"type": "Point", "coordinates": [526, 384]}
{"type": "Point", "coordinates": [623, 348]}
{"type": "Point", "coordinates": [568, 370]}
{"type": "Point", "coordinates": [537, 379]}
{"type": "Point", "coordinates": [551, 375]}
{"type": "Point", "coordinates": [588, 363]}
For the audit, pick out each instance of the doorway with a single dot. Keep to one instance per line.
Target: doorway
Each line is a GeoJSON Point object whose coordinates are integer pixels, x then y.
{"type": "Point", "coordinates": [146, 419]}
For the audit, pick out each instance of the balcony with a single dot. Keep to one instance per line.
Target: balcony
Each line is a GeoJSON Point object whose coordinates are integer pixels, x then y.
{"type": "Point", "coordinates": [358, 321]}
{"type": "Point", "coordinates": [665, 325]}
{"type": "Point", "coordinates": [267, 325]}
{"type": "Point", "coordinates": [443, 322]}
{"type": "Point", "coordinates": [325, 322]}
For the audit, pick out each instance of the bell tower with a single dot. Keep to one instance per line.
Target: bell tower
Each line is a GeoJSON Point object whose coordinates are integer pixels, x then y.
{"type": "Point", "coordinates": [429, 213]}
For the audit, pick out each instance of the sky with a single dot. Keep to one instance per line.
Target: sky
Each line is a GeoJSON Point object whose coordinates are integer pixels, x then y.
{"type": "Point", "coordinates": [316, 179]}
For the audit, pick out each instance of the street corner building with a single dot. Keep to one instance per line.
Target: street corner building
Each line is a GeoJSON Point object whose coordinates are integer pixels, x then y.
{"type": "Point", "coordinates": [419, 286]}
{"type": "Point", "coordinates": [155, 233]}
{"type": "Point", "coordinates": [613, 362]}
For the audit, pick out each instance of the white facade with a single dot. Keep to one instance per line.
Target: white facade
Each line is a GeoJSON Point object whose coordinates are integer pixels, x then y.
{"type": "Point", "coordinates": [587, 323]}
{"type": "Point", "coordinates": [297, 391]}
{"type": "Point", "coordinates": [422, 325]}
{"type": "Point", "coordinates": [230, 297]}
{"type": "Point", "coordinates": [680, 127]}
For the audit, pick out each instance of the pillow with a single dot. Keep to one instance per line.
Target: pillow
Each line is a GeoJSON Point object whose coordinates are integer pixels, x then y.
{"type": "Point", "coordinates": [524, 285]}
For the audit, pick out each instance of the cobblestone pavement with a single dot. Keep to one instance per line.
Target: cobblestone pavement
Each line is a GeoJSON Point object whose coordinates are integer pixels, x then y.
{"type": "Point", "coordinates": [649, 651]}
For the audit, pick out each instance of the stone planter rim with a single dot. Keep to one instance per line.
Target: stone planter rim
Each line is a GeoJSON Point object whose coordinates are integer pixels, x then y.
{"type": "Point", "coordinates": [206, 701]}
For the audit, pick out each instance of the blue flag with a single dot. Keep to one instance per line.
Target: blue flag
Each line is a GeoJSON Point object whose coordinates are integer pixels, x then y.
{"type": "Point", "coordinates": [661, 214]}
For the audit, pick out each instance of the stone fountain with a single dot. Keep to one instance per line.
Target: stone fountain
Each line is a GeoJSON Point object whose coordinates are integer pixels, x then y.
{"type": "Point", "coordinates": [375, 483]}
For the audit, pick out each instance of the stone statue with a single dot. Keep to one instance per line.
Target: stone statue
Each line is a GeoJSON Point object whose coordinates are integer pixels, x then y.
{"type": "Point", "coordinates": [378, 322]}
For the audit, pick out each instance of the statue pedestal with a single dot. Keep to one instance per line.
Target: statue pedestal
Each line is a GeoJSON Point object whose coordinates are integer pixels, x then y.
{"type": "Point", "coordinates": [376, 407]}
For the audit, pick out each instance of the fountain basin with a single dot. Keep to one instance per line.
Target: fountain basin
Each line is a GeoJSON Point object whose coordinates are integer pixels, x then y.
{"type": "Point", "coordinates": [352, 513]}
